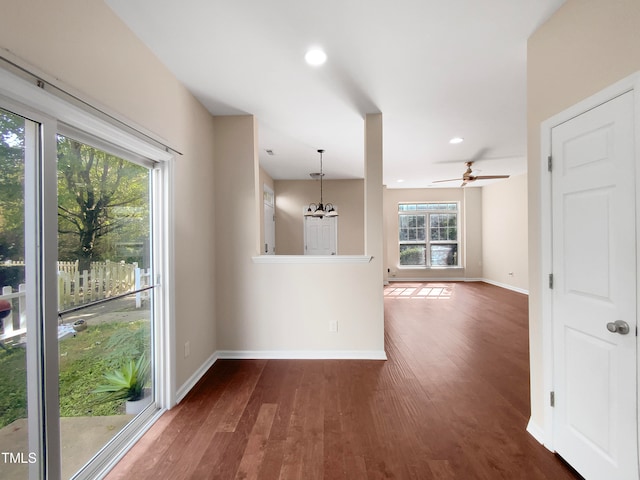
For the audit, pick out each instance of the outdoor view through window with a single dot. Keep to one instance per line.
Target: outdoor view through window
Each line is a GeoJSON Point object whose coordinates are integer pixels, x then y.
{"type": "Point", "coordinates": [105, 319]}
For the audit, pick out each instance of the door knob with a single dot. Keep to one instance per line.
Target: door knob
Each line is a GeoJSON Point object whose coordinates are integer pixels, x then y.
{"type": "Point", "coordinates": [619, 326]}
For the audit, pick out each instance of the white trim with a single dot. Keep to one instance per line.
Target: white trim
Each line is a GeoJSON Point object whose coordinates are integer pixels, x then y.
{"type": "Point", "coordinates": [195, 378]}
{"type": "Point", "coordinates": [302, 354]}
{"type": "Point", "coordinates": [507, 286]}
{"type": "Point", "coordinates": [535, 431]}
{"type": "Point", "coordinates": [625, 85]}
{"type": "Point", "coordinates": [164, 260]}
{"type": "Point", "coordinates": [298, 259]}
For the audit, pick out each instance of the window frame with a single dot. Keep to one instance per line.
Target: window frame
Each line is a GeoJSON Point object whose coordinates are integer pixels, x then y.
{"type": "Point", "coordinates": [426, 210]}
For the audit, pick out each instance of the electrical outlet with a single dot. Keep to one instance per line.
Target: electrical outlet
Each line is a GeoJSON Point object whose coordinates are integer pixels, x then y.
{"type": "Point", "coordinates": [187, 349]}
{"type": "Point", "coordinates": [333, 326]}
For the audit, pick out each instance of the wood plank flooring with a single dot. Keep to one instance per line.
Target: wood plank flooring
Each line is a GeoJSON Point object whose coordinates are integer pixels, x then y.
{"type": "Point", "coordinates": [452, 402]}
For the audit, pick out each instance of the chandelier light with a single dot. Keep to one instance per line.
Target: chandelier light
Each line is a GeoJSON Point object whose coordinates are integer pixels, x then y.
{"type": "Point", "coordinates": [320, 209]}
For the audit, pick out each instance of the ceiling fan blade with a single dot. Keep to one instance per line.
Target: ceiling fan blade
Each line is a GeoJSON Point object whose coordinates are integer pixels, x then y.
{"type": "Point", "coordinates": [479, 155]}
{"type": "Point", "coordinates": [489, 177]}
{"type": "Point", "coordinates": [450, 180]}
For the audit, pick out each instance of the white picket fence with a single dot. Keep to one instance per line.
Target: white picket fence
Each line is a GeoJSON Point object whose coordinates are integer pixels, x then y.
{"type": "Point", "coordinates": [105, 279]}
{"type": "Point", "coordinates": [75, 288]}
{"type": "Point", "coordinates": [15, 324]}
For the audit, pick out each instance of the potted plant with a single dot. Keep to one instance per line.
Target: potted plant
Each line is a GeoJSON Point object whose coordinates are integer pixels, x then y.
{"type": "Point", "coordinates": [127, 383]}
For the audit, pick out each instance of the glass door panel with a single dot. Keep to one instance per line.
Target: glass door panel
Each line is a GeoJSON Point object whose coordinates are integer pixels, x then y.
{"type": "Point", "coordinates": [105, 297]}
{"type": "Point", "coordinates": [17, 142]}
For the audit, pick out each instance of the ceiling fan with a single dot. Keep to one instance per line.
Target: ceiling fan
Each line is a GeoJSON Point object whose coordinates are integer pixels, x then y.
{"type": "Point", "coordinates": [468, 176]}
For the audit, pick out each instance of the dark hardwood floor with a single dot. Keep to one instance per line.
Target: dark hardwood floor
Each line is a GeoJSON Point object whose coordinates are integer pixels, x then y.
{"type": "Point", "coordinates": [452, 402]}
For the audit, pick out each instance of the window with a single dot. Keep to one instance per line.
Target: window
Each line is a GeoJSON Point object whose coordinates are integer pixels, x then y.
{"type": "Point", "coordinates": [428, 234]}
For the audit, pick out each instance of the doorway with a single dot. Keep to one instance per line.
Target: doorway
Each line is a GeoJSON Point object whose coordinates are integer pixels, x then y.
{"type": "Point", "coordinates": [590, 297]}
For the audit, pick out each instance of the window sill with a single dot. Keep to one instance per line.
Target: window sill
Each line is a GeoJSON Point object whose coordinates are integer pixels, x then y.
{"type": "Point", "coordinates": [306, 259]}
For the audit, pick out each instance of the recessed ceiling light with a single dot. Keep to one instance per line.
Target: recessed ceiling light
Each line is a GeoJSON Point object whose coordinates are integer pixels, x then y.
{"type": "Point", "coordinates": [456, 140]}
{"type": "Point", "coordinates": [400, 180]}
{"type": "Point", "coordinates": [315, 57]}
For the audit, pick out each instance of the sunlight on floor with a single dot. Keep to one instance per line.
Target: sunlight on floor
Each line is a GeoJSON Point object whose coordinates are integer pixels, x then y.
{"type": "Point", "coordinates": [428, 291]}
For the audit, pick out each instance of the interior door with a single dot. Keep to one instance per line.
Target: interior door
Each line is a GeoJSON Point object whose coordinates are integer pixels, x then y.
{"type": "Point", "coordinates": [594, 276]}
{"type": "Point", "coordinates": [320, 235]}
{"type": "Point", "coordinates": [269, 222]}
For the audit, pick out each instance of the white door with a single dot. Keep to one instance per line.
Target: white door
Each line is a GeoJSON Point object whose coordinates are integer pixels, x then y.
{"type": "Point", "coordinates": [594, 275]}
{"type": "Point", "coordinates": [320, 235]}
{"type": "Point", "coordinates": [269, 222]}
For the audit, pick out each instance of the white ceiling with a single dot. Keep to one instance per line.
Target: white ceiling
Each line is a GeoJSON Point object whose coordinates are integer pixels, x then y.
{"type": "Point", "coordinates": [435, 69]}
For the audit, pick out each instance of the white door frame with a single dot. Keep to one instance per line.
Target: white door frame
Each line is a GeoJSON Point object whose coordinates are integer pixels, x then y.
{"type": "Point", "coordinates": [629, 84]}
{"type": "Point", "coordinates": [271, 222]}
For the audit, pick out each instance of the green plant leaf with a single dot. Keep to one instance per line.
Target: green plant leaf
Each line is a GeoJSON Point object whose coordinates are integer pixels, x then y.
{"type": "Point", "coordinates": [128, 382]}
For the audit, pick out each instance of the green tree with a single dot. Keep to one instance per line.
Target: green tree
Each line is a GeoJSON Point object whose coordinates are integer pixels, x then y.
{"type": "Point", "coordinates": [99, 196]}
{"type": "Point", "coordinates": [102, 199]}
{"type": "Point", "coordinates": [11, 186]}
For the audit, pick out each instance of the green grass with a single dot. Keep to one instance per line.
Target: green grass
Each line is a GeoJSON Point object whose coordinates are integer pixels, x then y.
{"type": "Point", "coordinates": [13, 385]}
{"type": "Point", "coordinates": [84, 359]}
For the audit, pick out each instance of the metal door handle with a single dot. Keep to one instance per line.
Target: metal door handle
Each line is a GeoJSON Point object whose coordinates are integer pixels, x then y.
{"type": "Point", "coordinates": [619, 326]}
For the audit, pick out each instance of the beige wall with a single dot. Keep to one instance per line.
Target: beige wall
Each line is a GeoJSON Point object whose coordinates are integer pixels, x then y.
{"type": "Point", "coordinates": [88, 49]}
{"type": "Point", "coordinates": [583, 48]}
{"type": "Point", "coordinates": [471, 231]}
{"type": "Point", "coordinates": [273, 308]}
{"type": "Point", "coordinates": [293, 196]}
{"type": "Point", "coordinates": [504, 233]}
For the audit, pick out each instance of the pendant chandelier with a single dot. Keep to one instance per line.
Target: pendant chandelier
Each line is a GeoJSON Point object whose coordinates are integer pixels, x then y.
{"type": "Point", "coordinates": [320, 209]}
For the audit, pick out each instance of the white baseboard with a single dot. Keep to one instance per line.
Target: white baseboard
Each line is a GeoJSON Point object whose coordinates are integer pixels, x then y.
{"type": "Point", "coordinates": [535, 431]}
{"type": "Point", "coordinates": [193, 379]}
{"type": "Point", "coordinates": [303, 354]}
{"type": "Point", "coordinates": [504, 285]}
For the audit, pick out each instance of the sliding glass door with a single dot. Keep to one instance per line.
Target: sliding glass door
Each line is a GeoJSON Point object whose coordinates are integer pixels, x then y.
{"type": "Point", "coordinates": [83, 235]}
{"type": "Point", "coordinates": [105, 297]}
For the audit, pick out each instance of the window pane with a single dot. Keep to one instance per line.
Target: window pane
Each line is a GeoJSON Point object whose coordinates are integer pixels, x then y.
{"type": "Point", "coordinates": [444, 255]}
{"type": "Point", "coordinates": [443, 226]}
{"type": "Point", "coordinates": [412, 254]}
{"type": "Point", "coordinates": [14, 146]}
{"type": "Point", "coordinates": [104, 245]}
